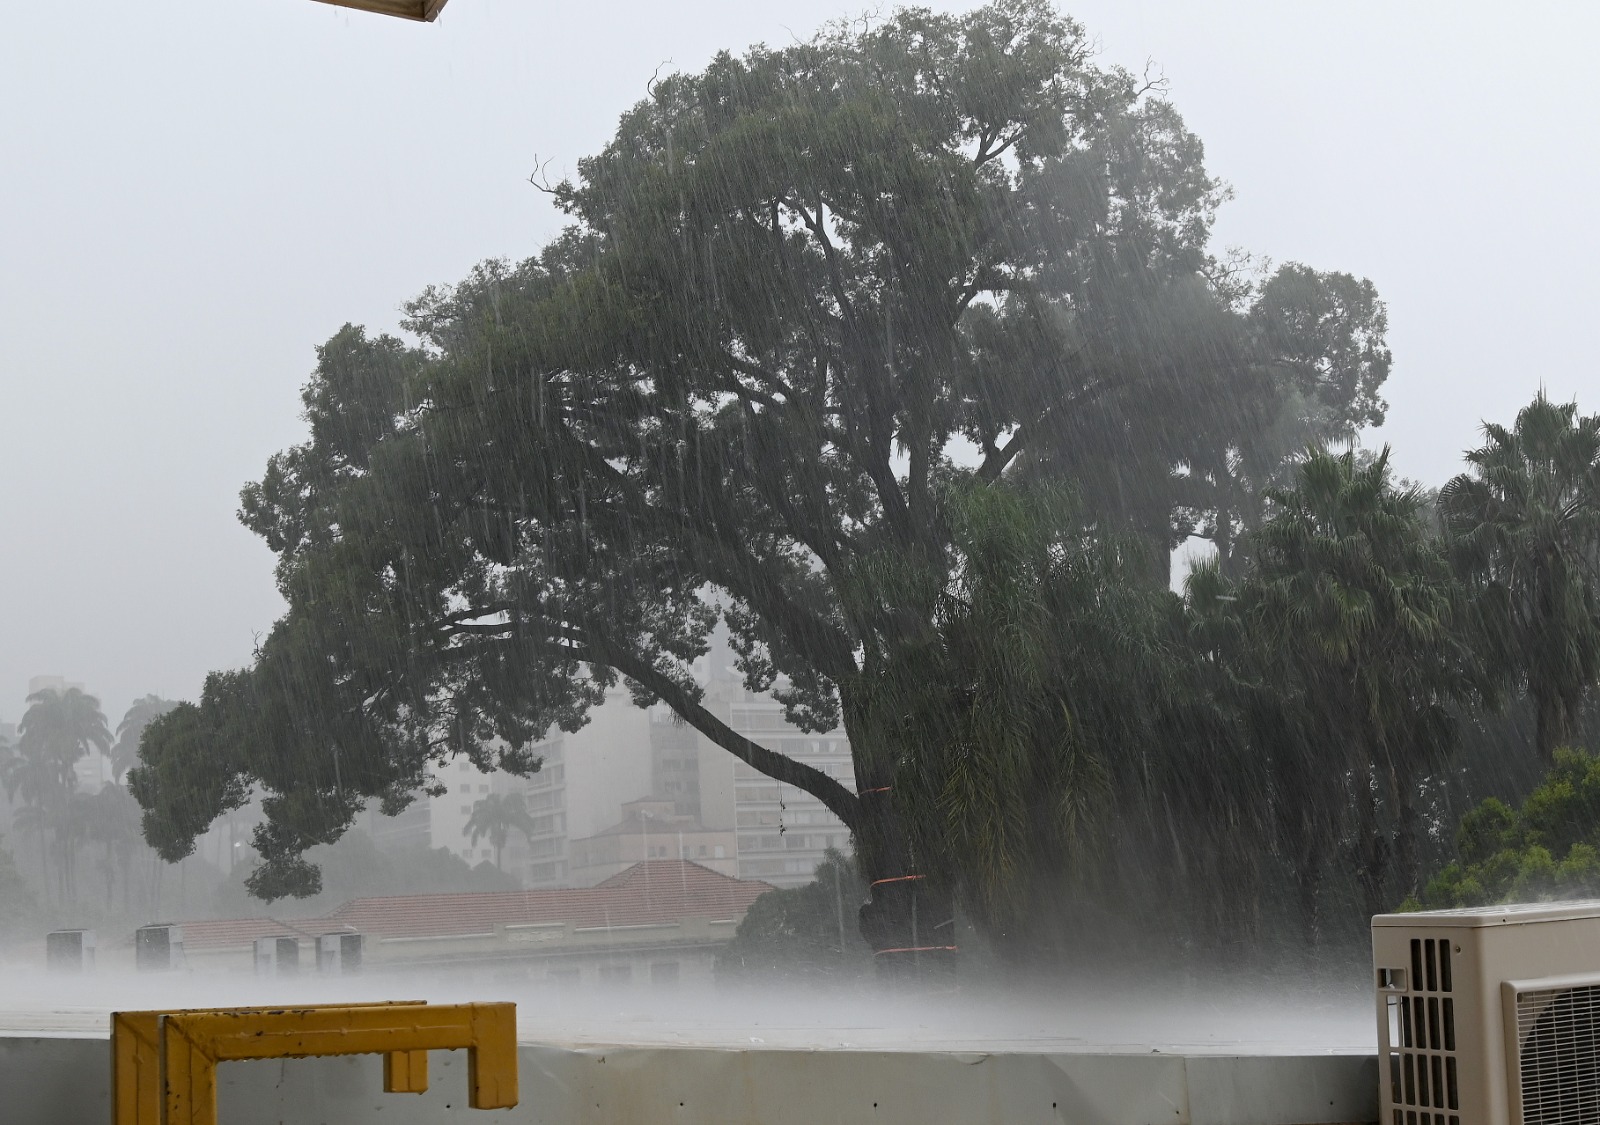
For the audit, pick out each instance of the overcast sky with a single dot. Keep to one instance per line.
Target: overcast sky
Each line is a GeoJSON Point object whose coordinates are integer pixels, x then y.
{"type": "Point", "coordinates": [195, 193]}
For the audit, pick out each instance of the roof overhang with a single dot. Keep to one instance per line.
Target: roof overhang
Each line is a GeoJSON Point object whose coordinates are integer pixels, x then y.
{"type": "Point", "coordinates": [424, 10]}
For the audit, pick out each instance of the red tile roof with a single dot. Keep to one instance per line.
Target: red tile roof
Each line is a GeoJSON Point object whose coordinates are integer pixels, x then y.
{"type": "Point", "coordinates": [654, 892]}
{"type": "Point", "coordinates": [215, 932]}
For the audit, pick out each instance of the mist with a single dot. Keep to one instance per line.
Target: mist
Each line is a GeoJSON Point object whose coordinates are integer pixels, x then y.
{"type": "Point", "coordinates": [948, 529]}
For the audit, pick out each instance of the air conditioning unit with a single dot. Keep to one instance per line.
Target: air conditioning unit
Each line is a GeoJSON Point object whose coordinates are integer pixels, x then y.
{"type": "Point", "coordinates": [277, 956]}
{"type": "Point", "coordinates": [339, 953]}
{"type": "Point", "coordinates": [69, 951]}
{"type": "Point", "coordinates": [158, 947]}
{"type": "Point", "coordinates": [1489, 1016]}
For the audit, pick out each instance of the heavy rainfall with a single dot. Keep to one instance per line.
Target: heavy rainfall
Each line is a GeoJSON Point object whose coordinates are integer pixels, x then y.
{"type": "Point", "coordinates": [758, 524]}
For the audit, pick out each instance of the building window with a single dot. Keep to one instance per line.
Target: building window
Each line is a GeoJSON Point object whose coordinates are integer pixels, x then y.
{"type": "Point", "coordinates": [664, 973]}
{"type": "Point", "coordinates": [720, 852]}
{"type": "Point", "coordinates": [466, 810]}
{"type": "Point", "coordinates": [616, 974]}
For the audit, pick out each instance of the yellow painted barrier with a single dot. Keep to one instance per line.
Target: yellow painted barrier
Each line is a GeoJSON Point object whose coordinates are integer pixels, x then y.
{"type": "Point", "coordinates": [136, 1062]}
{"type": "Point", "coordinates": [164, 1064]}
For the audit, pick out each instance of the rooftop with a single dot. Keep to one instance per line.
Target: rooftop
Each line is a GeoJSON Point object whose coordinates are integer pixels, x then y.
{"type": "Point", "coordinates": [655, 892]}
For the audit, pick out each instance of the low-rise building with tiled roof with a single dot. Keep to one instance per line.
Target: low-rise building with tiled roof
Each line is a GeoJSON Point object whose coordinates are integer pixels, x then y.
{"type": "Point", "coordinates": [659, 921]}
{"type": "Point", "coordinates": [651, 829]}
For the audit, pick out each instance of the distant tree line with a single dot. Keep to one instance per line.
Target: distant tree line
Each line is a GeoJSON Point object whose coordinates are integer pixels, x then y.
{"type": "Point", "coordinates": [902, 355]}
{"type": "Point", "coordinates": [86, 843]}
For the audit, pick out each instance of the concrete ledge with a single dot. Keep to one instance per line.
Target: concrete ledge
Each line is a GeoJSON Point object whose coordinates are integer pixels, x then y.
{"type": "Point", "coordinates": [59, 1080]}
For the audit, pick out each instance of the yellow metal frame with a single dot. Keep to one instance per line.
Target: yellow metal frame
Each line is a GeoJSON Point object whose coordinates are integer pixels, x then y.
{"type": "Point", "coordinates": [164, 1064]}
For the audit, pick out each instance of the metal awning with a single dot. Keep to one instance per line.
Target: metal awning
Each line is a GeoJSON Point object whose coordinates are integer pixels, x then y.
{"type": "Point", "coordinates": [408, 9]}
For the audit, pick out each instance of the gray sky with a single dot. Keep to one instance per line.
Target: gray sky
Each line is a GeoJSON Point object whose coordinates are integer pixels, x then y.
{"type": "Point", "coordinates": [193, 194]}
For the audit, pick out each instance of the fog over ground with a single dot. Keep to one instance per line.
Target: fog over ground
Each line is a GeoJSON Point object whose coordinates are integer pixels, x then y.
{"type": "Point", "coordinates": [193, 194]}
{"type": "Point", "coordinates": [1166, 1012]}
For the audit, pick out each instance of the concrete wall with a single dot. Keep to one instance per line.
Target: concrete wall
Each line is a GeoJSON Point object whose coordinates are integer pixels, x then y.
{"type": "Point", "coordinates": [63, 1081]}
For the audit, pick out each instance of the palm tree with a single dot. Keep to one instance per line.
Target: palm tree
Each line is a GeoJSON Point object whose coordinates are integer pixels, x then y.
{"type": "Point", "coordinates": [125, 754]}
{"type": "Point", "coordinates": [1359, 621]}
{"type": "Point", "coordinates": [60, 727]}
{"type": "Point", "coordinates": [495, 816]}
{"type": "Point", "coordinates": [113, 823]}
{"type": "Point", "coordinates": [33, 820]}
{"type": "Point", "coordinates": [1525, 525]}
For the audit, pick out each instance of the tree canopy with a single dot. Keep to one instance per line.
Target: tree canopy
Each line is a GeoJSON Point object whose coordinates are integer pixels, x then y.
{"type": "Point", "coordinates": [1525, 523]}
{"type": "Point", "coordinates": [1362, 637]}
{"type": "Point", "coordinates": [1547, 848]}
{"type": "Point", "coordinates": [803, 932]}
{"type": "Point", "coordinates": [809, 299]}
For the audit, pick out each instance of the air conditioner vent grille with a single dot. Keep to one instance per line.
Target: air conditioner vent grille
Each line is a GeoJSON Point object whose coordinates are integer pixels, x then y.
{"type": "Point", "coordinates": [1558, 1037]}
{"type": "Point", "coordinates": [1421, 1039]}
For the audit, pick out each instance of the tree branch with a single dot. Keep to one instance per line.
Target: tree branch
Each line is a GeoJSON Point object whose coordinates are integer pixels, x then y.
{"type": "Point", "coordinates": [840, 801]}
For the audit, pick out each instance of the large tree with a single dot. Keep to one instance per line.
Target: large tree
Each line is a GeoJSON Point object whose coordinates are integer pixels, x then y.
{"type": "Point", "coordinates": [1525, 523]}
{"type": "Point", "coordinates": [807, 296]}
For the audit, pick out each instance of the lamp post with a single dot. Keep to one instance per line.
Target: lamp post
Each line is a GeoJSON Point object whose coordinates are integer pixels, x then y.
{"type": "Point", "coordinates": [424, 10]}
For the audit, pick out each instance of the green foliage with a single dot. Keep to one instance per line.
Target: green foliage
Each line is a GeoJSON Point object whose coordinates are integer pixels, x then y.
{"type": "Point", "coordinates": [125, 753]}
{"type": "Point", "coordinates": [183, 782]}
{"type": "Point", "coordinates": [805, 932]}
{"type": "Point", "coordinates": [1347, 654]}
{"type": "Point", "coordinates": [742, 388]}
{"type": "Point", "coordinates": [1489, 828]}
{"type": "Point", "coordinates": [1548, 848]}
{"type": "Point", "coordinates": [1524, 522]}
{"type": "Point", "coordinates": [1041, 674]}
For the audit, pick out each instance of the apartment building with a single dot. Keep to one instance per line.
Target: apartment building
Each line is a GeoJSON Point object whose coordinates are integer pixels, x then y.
{"type": "Point", "coordinates": [586, 778]}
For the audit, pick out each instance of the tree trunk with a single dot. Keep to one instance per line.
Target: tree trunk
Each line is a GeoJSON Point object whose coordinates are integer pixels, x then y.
{"type": "Point", "coordinates": [1402, 793]}
{"type": "Point", "coordinates": [1554, 725]}
{"type": "Point", "coordinates": [908, 922]}
{"type": "Point", "coordinates": [1372, 848]}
